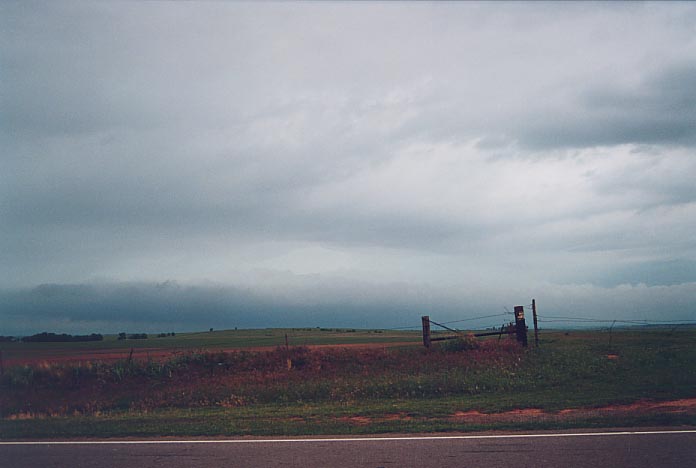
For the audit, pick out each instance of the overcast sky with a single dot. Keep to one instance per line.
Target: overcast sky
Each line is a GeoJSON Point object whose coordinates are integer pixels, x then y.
{"type": "Point", "coordinates": [175, 166]}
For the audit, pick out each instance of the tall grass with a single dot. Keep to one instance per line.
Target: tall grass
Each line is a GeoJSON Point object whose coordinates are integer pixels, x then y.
{"type": "Point", "coordinates": [292, 375]}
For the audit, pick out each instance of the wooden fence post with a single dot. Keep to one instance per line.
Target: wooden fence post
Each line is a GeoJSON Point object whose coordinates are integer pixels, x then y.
{"type": "Point", "coordinates": [520, 325]}
{"type": "Point", "coordinates": [426, 330]}
{"type": "Point", "coordinates": [288, 361]}
{"type": "Point", "coordinates": [536, 327]}
{"type": "Point", "coordinates": [610, 331]}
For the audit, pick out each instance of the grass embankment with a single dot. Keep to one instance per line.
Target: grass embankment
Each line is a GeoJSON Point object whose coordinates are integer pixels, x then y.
{"type": "Point", "coordinates": [351, 391]}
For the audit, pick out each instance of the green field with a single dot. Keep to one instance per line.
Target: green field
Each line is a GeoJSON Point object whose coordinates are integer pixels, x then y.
{"type": "Point", "coordinates": [574, 379]}
{"type": "Point", "coordinates": [222, 339]}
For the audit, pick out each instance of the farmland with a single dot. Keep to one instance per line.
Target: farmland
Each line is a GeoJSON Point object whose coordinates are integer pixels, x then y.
{"type": "Point", "coordinates": [111, 348]}
{"type": "Point", "coordinates": [345, 381]}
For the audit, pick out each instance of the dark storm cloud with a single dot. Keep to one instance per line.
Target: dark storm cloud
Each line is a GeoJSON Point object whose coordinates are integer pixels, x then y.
{"type": "Point", "coordinates": [143, 305]}
{"type": "Point", "coordinates": [156, 307]}
{"type": "Point", "coordinates": [661, 109]}
{"type": "Point", "coordinates": [149, 305]}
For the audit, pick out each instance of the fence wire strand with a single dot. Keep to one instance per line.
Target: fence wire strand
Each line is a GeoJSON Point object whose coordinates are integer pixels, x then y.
{"type": "Point", "coordinates": [560, 319]}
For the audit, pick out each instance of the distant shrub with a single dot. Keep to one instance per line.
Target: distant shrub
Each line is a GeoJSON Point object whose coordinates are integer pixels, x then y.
{"type": "Point", "coordinates": [138, 336]}
{"type": "Point", "coordinates": [461, 343]}
{"type": "Point", "coordinates": [62, 338]}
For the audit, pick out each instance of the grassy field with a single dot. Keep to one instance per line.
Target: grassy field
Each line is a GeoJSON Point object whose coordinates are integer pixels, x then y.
{"type": "Point", "coordinates": [633, 377]}
{"type": "Point", "coordinates": [207, 340]}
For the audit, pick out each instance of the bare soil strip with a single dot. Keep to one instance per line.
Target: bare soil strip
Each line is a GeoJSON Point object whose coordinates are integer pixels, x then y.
{"type": "Point", "coordinates": [684, 406]}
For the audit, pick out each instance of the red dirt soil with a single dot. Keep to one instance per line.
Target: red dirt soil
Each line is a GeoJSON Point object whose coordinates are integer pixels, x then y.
{"type": "Point", "coordinates": [687, 405]}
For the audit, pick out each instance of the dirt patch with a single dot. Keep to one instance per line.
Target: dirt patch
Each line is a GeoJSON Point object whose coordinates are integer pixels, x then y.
{"type": "Point", "coordinates": [687, 406]}
{"type": "Point", "coordinates": [468, 414]}
{"type": "Point", "coordinates": [358, 420]}
{"type": "Point", "coordinates": [398, 417]}
{"type": "Point", "coordinates": [683, 405]}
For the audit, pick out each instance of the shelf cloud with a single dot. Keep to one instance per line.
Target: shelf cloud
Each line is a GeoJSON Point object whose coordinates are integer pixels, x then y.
{"type": "Point", "coordinates": [353, 164]}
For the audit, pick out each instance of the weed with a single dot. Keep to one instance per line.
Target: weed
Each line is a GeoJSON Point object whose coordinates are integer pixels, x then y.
{"type": "Point", "coordinates": [461, 343]}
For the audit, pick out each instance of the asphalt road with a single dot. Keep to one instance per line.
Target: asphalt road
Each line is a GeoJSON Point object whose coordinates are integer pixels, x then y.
{"type": "Point", "coordinates": [636, 450]}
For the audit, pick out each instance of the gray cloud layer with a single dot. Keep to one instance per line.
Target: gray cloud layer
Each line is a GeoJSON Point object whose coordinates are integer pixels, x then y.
{"type": "Point", "coordinates": [484, 147]}
{"type": "Point", "coordinates": [660, 109]}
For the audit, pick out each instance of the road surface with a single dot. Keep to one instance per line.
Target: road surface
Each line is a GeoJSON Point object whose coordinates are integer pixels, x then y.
{"type": "Point", "coordinates": [640, 449]}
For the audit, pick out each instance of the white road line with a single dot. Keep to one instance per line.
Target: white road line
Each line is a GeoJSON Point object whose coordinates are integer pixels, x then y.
{"type": "Point", "coordinates": [348, 439]}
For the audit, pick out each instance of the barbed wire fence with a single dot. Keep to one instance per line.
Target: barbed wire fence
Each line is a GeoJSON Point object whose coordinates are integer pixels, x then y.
{"type": "Point", "coordinates": [574, 322]}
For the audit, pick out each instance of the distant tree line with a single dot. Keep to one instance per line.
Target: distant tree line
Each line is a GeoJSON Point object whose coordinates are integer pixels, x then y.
{"type": "Point", "coordinates": [62, 338]}
{"type": "Point", "coordinates": [133, 336]}
{"type": "Point", "coordinates": [46, 337]}
{"type": "Point", "coordinates": [141, 336]}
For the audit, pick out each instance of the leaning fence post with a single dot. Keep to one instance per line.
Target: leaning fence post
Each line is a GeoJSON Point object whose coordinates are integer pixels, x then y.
{"type": "Point", "coordinates": [610, 330]}
{"type": "Point", "coordinates": [536, 327]}
{"type": "Point", "coordinates": [426, 330]}
{"type": "Point", "coordinates": [288, 360]}
{"type": "Point", "coordinates": [520, 325]}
